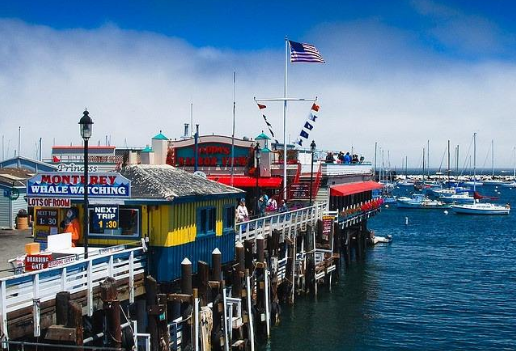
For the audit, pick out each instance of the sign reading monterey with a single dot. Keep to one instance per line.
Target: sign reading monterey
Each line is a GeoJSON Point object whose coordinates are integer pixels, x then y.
{"type": "Point", "coordinates": [71, 185]}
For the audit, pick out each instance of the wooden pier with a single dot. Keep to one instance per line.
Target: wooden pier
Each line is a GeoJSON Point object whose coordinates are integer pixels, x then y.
{"type": "Point", "coordinates": [217, 307]}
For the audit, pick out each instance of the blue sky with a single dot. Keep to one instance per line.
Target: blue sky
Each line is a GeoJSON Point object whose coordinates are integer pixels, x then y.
{"type": "Point", "coordinates": [397, 72]}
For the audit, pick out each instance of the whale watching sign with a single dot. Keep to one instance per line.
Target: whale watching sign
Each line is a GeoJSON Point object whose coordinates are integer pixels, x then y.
{"type": "Point", "coordinates": [71, 185]}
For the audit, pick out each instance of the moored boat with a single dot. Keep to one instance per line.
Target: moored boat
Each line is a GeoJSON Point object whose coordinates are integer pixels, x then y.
{"type": "Point", "coordinates": [479, 208]}
{"type": "Point", "coordinates": [419, 201]}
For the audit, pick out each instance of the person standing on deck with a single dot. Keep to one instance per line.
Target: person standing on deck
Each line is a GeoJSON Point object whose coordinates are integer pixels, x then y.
{"type": "Point", "coordinates": [242, 214]}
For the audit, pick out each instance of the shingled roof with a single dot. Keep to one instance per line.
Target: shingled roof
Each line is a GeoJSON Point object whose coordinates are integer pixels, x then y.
{"type": "Point", "coordinates": [164, 182]}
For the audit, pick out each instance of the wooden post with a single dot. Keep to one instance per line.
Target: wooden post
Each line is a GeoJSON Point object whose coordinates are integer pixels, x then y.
{"type": "Point", "coordinates": [151, 293]}
{"type": "Point", "coordinates": [75, 321]}
{"type": "Point", "coordinates": [260, 248]}
{"type": "Point", "coordinates": [240, 256]}
{"type": "Point", "coordinates": [248, 247]}
{"type": "Point", "coordinates": [186, 277]}
{"type": "Point", "coordinates": [237, 282]}
{"type": "Point", "coordinates": [203, 273]}
{"type": "Point", "coordinates": [111, 305]}
{"type": "Point", "coordinates": [216, 263]}
{"type": "Point", "coordinates": [62, 299]}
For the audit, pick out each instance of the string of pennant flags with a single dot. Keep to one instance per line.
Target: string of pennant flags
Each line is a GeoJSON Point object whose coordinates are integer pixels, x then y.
{"type": "Point", "coordinates": [307, 127]}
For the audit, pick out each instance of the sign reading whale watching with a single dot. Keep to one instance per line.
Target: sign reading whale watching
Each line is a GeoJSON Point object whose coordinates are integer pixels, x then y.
{"type": "Point", "coordinates": [71, 185]}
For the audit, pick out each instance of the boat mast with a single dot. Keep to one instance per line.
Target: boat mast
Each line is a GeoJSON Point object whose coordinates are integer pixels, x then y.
{"type": "Point", "coordinates": [233, 131]}
{"type": "Point", "coordinates": [406, 165]}
{"type": "Point", "coordinates": [423, 166]}
{"type": "Point", "coordinates": [428, 157]}
{"type": "Point", "coordinates": [492, 158]}
{"type": "Point", "coordinates": [448, 170]}
{"type": "Point", "coordinates": [474, 161]}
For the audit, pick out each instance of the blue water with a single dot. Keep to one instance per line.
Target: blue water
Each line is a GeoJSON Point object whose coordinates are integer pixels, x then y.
{"type": "Point", "coordinates": [447, 282]}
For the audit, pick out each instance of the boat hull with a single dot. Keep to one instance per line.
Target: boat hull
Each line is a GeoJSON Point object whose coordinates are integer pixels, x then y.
{"type": "Point", "coordinates": [476, 211]}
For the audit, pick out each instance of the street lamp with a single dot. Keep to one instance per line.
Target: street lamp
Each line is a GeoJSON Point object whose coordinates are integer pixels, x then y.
{"type": "Point", "coordinates": [257, 155]}
{"type": "Point", "coordinates": [86, 125]}
{"type": "Point", "coordinates": [312, 149]}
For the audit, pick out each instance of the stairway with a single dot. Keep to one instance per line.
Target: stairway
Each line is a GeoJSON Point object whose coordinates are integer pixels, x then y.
{"type": "Point", "coordinates": [322, 195]}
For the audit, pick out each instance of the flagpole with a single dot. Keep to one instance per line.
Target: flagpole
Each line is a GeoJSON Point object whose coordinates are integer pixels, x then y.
{"type": "Point", "coordinates": [233, 134]}
{"type": "Point", "coordinates": [285, 123]}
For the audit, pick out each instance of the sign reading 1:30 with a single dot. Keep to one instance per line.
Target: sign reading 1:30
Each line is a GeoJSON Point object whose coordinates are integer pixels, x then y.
{"type": "Point", "coordinates": [105, 217]}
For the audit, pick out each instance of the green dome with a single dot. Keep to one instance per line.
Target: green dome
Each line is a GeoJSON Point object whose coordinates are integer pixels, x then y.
{"type": "Point", "coordinates": [147, 149]}
{"type": "Point", "coordinates": [262, 136]}
{"type": "Point", "coordinates": [160, 136]}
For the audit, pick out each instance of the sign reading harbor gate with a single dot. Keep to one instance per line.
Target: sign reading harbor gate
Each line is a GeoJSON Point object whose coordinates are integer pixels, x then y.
{"type": "Point", "coordinates": [71, 185]}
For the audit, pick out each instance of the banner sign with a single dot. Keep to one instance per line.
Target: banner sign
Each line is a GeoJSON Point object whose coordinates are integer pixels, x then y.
{"type": "Point", "coordinates": [71, 185]}
{"type": "Point", "coordinates": [48, 202]}
{"type": "Point", "coordinates": [105, 217]}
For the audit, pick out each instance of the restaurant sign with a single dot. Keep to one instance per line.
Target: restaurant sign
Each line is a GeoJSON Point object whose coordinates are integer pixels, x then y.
{"type": "Point", "coordinates": [212, 155]}
{"type": "Point", "coordinates": [71, 185]}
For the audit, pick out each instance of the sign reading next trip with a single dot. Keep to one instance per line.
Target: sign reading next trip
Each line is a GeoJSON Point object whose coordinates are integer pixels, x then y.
{"type": "Point", "coordinates": [105, 217]}
{"type": "Point", "coordinates": [71, 185]}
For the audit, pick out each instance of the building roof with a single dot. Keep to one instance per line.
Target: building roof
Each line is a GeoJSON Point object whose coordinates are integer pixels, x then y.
{"type": "Point", "coordinates": [15, 177]}
{"type": "Point", "coordinates": [164, 182]}
{"type": "Point", "coordinates": [27, 164]}
{"type": "Point", "coordinates": [262, 136]}
{"type": "Point", "coordinates": [160, 136]}
{"type": "Point", "coordinates": [147, 149]}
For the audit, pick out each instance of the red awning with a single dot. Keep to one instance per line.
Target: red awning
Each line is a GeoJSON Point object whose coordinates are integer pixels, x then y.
{"type": "Point", "coordinates": [353, 188]}
{"type": "Point", "coordinates": [248, 182]}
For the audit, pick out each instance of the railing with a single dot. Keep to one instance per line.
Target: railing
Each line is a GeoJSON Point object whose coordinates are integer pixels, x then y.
{"type": "Point", "coordinates": [33, 288]}
{"type": "Point", "coordinates": [355, 214]}
{"type": "Point", "coordinates": [286, 222]}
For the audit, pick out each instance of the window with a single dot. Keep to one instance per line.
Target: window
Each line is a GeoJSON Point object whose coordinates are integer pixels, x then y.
{"type": "Point", "coordinates": [229, 217]}
{"type": "Point", "coordinates": [128, 224]}
{"type": "Point", "coordinates": [206, 220]}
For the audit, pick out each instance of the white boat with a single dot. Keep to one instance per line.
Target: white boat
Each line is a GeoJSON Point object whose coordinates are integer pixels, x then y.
{"type": "Point", "coordinates": [382, 239]}
{"type": "Point", "coordinates": [461, 198]}
{"type": "Point", "coordinates": [509, 185]}
{"type": "Point", "coordinates": [479, 208]}
{"type": "Point", "coordinates": [473, 183]}
{"type": "Point", "coordinates": [419, 201]}
{"type": "Point", "coordinates": [493, 182]}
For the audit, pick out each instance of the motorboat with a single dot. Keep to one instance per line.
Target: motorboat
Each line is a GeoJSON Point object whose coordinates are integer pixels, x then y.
{"type": "Point", "coordinates": [419, 201]}
{"type": "Point", "coordinates": [481, 208]}
{"type": "Point", "coordinates": [460, 198]}
{"type": "Point", "coordinates": [382, 239]}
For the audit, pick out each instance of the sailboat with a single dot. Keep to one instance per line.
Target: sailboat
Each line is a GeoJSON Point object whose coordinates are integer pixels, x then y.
{"type": "Point", "coordinates": [492, 180]}
{"type": "Point", "coordinates": [478, 208]}
{"type": "Point", "coordinates": [513, 183]}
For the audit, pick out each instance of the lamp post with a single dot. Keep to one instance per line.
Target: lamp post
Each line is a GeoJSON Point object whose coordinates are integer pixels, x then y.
{"type": "Point", "coordinates": [312, 149]}
{"type": "Point", "coordinates": [257, 155]}
{"type": "Point", "coordinates": [86, 125]}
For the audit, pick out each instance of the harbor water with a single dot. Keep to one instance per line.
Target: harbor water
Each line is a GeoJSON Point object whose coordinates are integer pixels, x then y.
{"type": "Point", "coordinates": [446, 282]}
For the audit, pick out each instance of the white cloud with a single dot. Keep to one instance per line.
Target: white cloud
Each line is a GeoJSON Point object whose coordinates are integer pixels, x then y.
{"type": "Point", "coordinates": [379, 84]}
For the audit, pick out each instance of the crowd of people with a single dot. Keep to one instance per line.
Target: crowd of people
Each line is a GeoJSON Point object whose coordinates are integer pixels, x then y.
{"type": "Point", "coordinates": [344, 158]}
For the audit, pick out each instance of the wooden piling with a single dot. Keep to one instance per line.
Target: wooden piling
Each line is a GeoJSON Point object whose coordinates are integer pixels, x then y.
{"type": "Point", "coordinates": [216, 263]}
{"type": "Point", "coordinates": [240, 256]}
{"type": "Point", "coordinates": [203, 273]}
{"type": "Point", "coordinates": [151, 293]}
{"type": "Point", "coordinates": [62, 299]}
{"type": "Point", "coordinates": [111, 306]}
{"type": "Point", "coordinates": [260, 248]}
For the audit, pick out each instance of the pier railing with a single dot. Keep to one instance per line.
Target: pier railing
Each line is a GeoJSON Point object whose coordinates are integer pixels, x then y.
{"type": "Point", "coordinates": [287, 222]}
{"type": "Point", "coordinates": [33, 288]}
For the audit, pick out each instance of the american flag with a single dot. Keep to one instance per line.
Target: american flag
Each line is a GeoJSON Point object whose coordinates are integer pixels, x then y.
{"type": "Point", "coordinates": [300, 52]}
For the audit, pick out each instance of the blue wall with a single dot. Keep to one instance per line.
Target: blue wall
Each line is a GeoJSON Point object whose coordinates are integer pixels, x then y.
{"type": "Point", "coordinates": [165, 262]}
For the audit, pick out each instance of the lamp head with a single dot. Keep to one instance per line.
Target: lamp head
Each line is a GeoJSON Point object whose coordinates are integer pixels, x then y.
{"type": "Point", "coordinates": [86, 124]}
